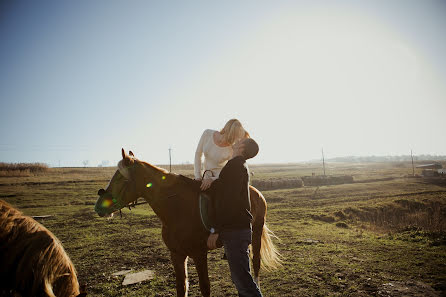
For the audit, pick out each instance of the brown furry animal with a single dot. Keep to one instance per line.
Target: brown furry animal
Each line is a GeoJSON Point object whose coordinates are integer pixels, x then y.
{"type": "Point", "coordinates": [33, 261]}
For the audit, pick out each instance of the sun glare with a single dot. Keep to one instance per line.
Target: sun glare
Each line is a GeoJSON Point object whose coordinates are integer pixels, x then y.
{"type": "Point", "coordinates": [334, 79]}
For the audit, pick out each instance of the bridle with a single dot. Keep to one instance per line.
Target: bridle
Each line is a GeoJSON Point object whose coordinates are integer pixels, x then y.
{"type": "Point", "coordinates": [126, 172]}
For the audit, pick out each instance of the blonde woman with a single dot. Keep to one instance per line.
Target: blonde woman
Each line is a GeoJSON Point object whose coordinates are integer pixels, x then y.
{"type": "Point", "coordinates": [216, 146]}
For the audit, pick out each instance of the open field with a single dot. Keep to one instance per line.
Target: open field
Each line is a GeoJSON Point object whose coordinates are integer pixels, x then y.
{"type": "Point", "coordinates": [383, 235]}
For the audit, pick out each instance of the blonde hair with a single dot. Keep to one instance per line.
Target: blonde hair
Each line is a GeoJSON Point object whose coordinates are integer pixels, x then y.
{"type": "Point", "coordinates": [233, 130]}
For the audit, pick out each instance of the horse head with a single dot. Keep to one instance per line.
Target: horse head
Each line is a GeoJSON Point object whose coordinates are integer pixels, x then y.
{"type": "Point", "coordinates": [132, 180]}
{"type": "Point", "coordinates": [121, 190]}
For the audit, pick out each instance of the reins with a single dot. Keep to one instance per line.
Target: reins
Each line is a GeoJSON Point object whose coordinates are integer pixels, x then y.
{"type": "Point", "coordinates": [132, 204]}
{"type": "Point", "coordinates": [129, 176]}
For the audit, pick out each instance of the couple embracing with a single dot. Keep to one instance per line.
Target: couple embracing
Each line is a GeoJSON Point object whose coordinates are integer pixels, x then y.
{"type": "Point", "coordinates": [225, 175]}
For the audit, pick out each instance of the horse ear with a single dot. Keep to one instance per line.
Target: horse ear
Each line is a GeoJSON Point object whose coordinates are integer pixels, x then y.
{"type": "Point", "coordinates": [131, 154]}
{"type": "Point", "coordinates": [126, 159]}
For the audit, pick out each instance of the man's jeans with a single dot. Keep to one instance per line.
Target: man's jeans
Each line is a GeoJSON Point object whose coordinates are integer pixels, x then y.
{"type": "Point", "coordinates": [236, 244]}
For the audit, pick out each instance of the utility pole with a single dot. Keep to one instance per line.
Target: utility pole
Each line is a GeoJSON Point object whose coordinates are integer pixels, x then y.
{"type": "Point", "coordinates": [413, 168]}
{"type": "Point", "coordinates": [170, 159]}
{"type": "Point", "coordinates": [323, 160]}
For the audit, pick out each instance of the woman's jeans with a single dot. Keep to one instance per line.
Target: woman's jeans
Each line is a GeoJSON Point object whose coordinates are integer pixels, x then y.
{"type": "Point", "coordinates": [236, 244]}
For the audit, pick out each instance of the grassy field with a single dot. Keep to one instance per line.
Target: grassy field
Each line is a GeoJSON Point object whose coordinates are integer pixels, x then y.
{"type": "Point", "coordinates": [383, 235]}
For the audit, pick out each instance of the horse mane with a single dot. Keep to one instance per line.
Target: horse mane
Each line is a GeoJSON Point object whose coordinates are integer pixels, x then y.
{"type": "Point", "coordinates": [154, 167]}
{"type": "Point", "coordinates": [34, 262]}
{"type": "Point", "coordinates": [123, 169]}
{"type": "Point", "coordinates": [192, 183]}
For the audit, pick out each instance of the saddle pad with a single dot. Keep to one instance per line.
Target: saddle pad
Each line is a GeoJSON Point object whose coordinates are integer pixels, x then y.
{"type": "Point", "coordinates": [204, 205]}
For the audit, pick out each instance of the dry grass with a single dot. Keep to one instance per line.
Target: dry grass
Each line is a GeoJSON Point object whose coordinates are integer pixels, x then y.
{"type": "Point", "coordinates": [321, 180]}
{"type": "Point", "coordinates": [21, 169]}
{"type": "Point", "coordinates": [401, 214]}
{"type": "Point", "coordinates": [276, 183]}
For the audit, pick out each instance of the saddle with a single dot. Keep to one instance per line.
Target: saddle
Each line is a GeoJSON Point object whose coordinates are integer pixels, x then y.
{"type": "Point", "coordinates": [206, 211]}
{"type": "Point", "coordinates": [204, 203]}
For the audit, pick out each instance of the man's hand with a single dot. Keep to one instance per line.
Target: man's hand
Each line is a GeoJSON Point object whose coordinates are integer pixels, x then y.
{"type": "Point", "coordinates": [212, 241]}
{"type": "Point", "coordinates": [206, 183]}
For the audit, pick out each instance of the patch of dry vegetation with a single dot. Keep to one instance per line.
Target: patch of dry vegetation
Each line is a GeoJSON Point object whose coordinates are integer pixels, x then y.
{"type": "Point", "coordinates": [276, 183]}
{"type": "Point", "coordinates": [21, 169]}
{"type": "Point", "coordinates": [400, 214]}
{"type": "Point", "coordinates": [321, 180]}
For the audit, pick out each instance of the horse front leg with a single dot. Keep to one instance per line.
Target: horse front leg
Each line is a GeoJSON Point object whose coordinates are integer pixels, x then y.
{"type": "Point", "coordinates": [179, 262]}
{"type": "Point", "coordinates": [201, 263]}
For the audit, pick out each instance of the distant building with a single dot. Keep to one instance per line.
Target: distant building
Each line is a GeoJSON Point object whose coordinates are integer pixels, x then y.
{"type": "Point", "coordinates": [429, 173]}
{"type": "Point", "coordinates": [430, 166]}
{"type": "Point", "coordinates": [434, 169]}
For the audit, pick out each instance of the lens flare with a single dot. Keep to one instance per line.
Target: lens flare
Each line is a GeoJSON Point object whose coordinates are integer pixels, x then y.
{"type": "Point", "coordinates": [106, 203]}
{"type": "Point", "coordinates": [163, 177]}
{"type": "Point", "coordinates": [149, 185]}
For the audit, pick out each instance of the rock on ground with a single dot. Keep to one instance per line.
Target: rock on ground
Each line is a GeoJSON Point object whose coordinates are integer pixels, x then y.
{"type": "Point", "coordinates": [133, 278]}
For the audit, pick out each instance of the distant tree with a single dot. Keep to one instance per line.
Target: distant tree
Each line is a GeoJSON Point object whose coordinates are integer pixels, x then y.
{"type": "Point", "coordinates": [85, 162]}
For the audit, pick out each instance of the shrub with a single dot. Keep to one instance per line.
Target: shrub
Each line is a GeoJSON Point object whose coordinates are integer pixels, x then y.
{"type": "Point", "coordinates": [21, 169]}
{"type": "Point", "coordinates": [401, 214]}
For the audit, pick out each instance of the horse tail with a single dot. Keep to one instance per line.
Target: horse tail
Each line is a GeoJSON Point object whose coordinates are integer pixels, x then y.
{"type": "Point", "coordinates": [269, 254]}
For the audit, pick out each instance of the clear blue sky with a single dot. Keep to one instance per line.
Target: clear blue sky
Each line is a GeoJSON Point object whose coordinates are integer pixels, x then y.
{"type": "Point", "coordinates": [81, 79]}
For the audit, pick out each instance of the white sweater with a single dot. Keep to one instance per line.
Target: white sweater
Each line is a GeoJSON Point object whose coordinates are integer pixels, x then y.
{"type": "Point", "coordinates": [215, 157]}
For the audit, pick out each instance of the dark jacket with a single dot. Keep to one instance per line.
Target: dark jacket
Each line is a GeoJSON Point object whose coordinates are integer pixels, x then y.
{"type": "Point", "coordinates": [231, 197]}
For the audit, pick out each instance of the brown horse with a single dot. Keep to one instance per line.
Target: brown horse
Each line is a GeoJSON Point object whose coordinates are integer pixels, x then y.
{"type": "Point", "coordinates": [33, 261]}
{"type": "Point", "coordinates": [174, 199]}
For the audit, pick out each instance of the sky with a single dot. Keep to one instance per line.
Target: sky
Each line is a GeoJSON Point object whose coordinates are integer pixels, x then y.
{"type": "Point", "coordinates": [79, 80]}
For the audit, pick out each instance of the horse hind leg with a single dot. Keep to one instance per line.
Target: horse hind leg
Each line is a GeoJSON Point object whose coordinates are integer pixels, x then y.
{"type": "Point", "coordinates": [256, 246]}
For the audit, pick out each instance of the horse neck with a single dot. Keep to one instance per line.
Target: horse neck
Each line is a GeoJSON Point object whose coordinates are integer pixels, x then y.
{"type": "Point", "coordinates": [164, 186]}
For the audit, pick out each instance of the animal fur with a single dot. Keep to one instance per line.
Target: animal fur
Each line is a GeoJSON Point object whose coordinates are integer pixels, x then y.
{"type": "Point", "coordinates": [33, 261]}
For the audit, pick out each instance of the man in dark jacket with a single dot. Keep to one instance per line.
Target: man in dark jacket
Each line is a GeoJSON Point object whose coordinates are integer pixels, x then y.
{"type": "Point", "coordinates": [233, 218]}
